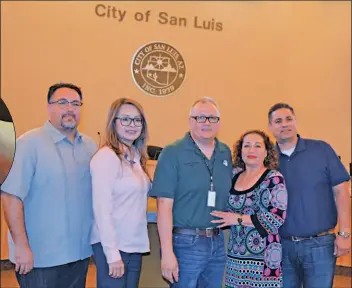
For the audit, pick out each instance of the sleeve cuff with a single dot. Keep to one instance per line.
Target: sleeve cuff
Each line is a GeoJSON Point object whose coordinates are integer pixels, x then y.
{"type": "Point", "coordinates": [161, 195]}
{"type": "Point", "coordinates": [112, 255]}
{"type": "Point", "coordinates": [341, 180]}
{"type": "Point", "coordinates": [19, 196]}
{"type": "Point", "coordinates": [258, 226]}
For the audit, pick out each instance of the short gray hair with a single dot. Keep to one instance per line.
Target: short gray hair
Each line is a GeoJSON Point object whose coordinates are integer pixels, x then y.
{"type": "Point", "coordinates": [204, 100]}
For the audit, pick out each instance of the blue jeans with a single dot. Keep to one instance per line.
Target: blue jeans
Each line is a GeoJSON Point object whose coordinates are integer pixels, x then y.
{"type": "Point", "coordinates": [130, 279]}
{"type": "Point", "coordinates": [201, 260]}
{"type": "Point", "coordinates": [310, 263]}
{"type": "Point", "coordinates": [71, 275]}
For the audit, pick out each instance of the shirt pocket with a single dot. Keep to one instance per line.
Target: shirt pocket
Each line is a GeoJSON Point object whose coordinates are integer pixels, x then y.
{"type": "Point", "coordinates": [193, 175]}
{"type": "Point", "coordinates": [190, 164]}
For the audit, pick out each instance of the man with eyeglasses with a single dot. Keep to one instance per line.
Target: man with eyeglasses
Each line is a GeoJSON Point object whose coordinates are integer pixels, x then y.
{"type": "Point", "coordinates": [47, 197]}
{"type": "Point", "coordinates": [193, 178]}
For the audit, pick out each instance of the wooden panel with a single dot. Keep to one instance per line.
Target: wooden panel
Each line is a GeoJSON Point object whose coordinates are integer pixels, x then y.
{"type": "Point", "coordinates": [344, 260]}
{"type": "Point", "coordinates": [151, 201]}
{"type": "Point", "coordinates": [4, 252]}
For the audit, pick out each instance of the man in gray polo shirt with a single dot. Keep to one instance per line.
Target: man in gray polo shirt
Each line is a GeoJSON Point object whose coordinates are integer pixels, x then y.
{"type": "Point", "coordinates": [47, 197]}
{"type": "Point", "coordinates": [193, 178]}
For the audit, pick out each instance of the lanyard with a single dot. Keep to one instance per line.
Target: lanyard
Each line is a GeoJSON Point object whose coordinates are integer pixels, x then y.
{"type": "Point", "coordinates": [211, 171]}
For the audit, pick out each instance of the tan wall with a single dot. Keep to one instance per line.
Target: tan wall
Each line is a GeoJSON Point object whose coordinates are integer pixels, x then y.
{"type": "Point", "coordinates": [267, 52]}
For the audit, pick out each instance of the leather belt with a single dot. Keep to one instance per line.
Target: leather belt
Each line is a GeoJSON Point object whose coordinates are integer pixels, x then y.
{"type": "Point", "coordinates": [208, 232]}
{"type": "Point", "coordinates": [297, 238]}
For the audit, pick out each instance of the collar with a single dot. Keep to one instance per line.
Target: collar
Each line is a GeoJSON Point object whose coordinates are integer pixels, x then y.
{"type": "Point", "coordinates": [188, 143]}
{"type": "Point", "coordinates": [56, 135]}
{"type": "Point", "coordinates": [300, 145]}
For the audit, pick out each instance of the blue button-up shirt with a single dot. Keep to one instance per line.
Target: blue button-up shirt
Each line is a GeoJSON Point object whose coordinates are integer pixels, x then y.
{"type": "Point", "coordinates": [311, 172]}
{"type": "Point", "coordinates": [51, 176]}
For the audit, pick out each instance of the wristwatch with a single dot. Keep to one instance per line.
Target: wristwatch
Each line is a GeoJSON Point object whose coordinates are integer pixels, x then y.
{"type": "Point", "coordinates": [344, 234]}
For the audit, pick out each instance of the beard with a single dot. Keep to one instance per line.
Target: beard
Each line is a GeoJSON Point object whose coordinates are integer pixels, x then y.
{"type": "Point", "coordinates": [68, 121]}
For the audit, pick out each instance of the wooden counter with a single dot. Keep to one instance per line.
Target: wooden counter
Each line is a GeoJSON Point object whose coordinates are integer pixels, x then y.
{"type": "Point", "coordinates": [4, 251]}
{"type": "Point", "coordinates": [151, 209]}
{"type": "Point", "coordinates": [151, 201]}
{"type": "Point", "coordinates": [342, 261]}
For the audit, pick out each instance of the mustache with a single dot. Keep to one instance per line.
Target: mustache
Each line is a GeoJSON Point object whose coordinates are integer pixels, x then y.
{"type": "Point", "coordinates": [68, 114]}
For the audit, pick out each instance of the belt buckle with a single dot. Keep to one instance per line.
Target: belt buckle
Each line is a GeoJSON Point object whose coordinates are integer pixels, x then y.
{"type": "Point", "coordinates": [209, 232]}
{"type": "Point", "coordinates": [297, 239]}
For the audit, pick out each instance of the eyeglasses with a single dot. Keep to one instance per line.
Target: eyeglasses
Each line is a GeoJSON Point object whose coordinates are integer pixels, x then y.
{"type": "Point", "coordinates": [65, 102]}
{"type": "Point", "coordinates": [126, 121]}
{"type": "Point", "coordinates": [203, 119]}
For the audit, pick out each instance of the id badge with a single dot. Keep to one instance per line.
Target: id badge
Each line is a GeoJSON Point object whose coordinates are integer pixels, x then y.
{"type": "Point", "coordinates": [211, 198]}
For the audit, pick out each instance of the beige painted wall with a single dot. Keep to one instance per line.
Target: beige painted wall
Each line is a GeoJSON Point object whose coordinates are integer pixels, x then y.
{"type": "Point", "coordinates": [267, 52]}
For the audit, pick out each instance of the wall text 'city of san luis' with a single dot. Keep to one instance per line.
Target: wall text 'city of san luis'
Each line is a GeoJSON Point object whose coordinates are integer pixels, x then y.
{"type": "Point", "coordinates": [163, 18]}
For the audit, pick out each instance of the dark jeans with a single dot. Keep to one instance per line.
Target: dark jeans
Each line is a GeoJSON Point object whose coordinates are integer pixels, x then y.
{"type": "Point", "coordinates": [130, 279]}
{"type": "Point", "coordinates": [310, 263]}
{"type": "Point", "coordinates": [71, 275]}
{"type": "Point", "coordinates": [201, 260]}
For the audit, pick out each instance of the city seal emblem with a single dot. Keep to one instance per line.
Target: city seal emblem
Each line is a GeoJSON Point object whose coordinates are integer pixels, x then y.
{"type": "Point", "coordinates": [158, 69]}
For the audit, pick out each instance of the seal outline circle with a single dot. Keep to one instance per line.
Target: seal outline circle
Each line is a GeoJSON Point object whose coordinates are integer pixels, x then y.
{"type": "Point", "coordinates": [136, 83]}
{"type": "Point", "coordinates": [176, 68]}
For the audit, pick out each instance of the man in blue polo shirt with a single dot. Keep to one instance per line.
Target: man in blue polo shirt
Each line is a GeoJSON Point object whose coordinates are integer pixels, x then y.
{"type": "Point", "coordinates": [47, 197]}
{"type": "Point", "coordinates": [193, 178]}
{"type": "Point", "coordinates": [318, 199]}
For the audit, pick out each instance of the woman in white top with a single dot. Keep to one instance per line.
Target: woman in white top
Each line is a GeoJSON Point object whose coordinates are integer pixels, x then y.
{"type": "Point", "coordinates": [120, 184]}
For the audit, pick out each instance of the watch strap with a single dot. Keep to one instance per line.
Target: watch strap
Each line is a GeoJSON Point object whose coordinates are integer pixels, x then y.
{"type": "Point", "coordinates": [344, 234]}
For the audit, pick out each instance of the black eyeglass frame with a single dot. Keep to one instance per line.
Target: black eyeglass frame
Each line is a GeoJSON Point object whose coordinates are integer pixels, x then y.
{"type": "Point", "coordinates": [216, 118]}
{"type": "Point", "coordinates": [130, 121]}
{"type": "Point", "coordinates": [66, 102]}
